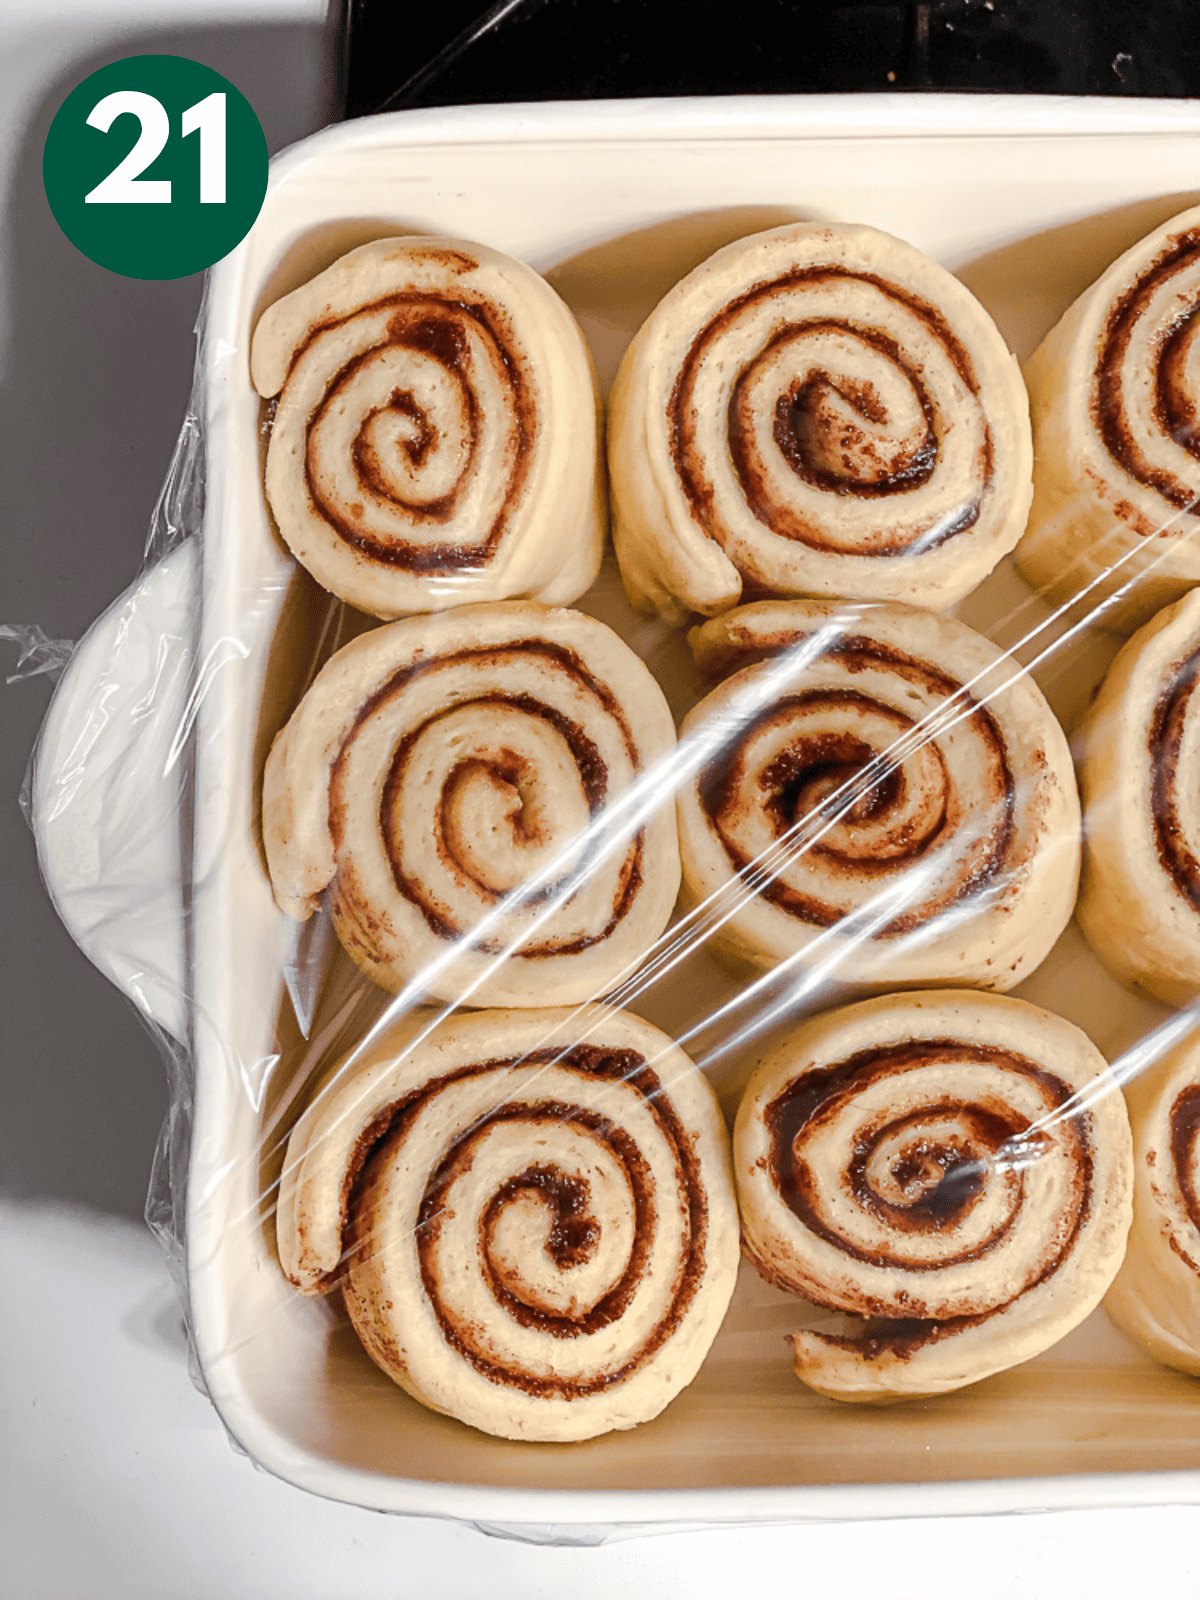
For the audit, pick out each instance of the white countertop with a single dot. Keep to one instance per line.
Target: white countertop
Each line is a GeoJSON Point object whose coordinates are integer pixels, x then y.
{"type": "Point", "coordinates": [121, 1483]}
{"type": "Point", "coordinates": [117, 1478]}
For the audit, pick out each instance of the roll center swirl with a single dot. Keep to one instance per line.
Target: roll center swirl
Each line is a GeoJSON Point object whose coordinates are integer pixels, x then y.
{"type": "Point", "coordinates": [427, 405]}
{"type": "Point", "coordinates": [853, 405]}
{"type": "Point", "coordinates": [496, 822]}
{"type": "Point", "coordinates": [845, 433]}
{"type": "Point", "coordinates": [832, 791]}
{"type": "Point", "coordinates": [504, 784]}
{"type": "Point", "coordinates": [810, 772]}
{"type": "Point", "coordinates": [928, 1171]}
{"type": "Point", "coordinates": [940, 1169]}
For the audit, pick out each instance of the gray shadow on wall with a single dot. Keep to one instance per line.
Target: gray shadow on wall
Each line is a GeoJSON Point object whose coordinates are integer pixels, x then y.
{"type": "Point", "coordinates": [93, 390]}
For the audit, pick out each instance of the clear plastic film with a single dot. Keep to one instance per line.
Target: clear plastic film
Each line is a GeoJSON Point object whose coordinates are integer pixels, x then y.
{"type": "Point", "coordinates": [591, 789]}
{"type": "Point", "coordinates": [108, 794]}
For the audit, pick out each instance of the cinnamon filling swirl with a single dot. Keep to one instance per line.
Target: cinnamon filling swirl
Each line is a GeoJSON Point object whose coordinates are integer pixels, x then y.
{"type": "Point", "coordinates": [868, 431]}
{"type": "Point", "coordinates": [952, 1171]}
{"type": "Point", "coordinates": [505, 783]}
{"type": "Point", "coordinates": [533, 1226]}
{"type": "Point", "coordinates": [432, 429]}
{"type": "Point", "coordinates": [416, 446]}
{"type": "Point", "coordinates": [1185, 1149]}
{"type": "Point", "coordinates": [1159, 290]}
{"type": "Point", "coordinates": [572, 1230]}
{"type": "Point", "coordinates": [1139, 745]}
{"type": "Point", "coordinates": [1114, 391]}
{"type": "Point", "coordinates": [452, 782]}
{"type": "Point", "coordinates": [874, 788]}
{"type": "Point", "coordinates": [1156, 1296]}
{"type": "Point", "coordinates": [1164, 746]}
{"type": "Point", "coordinates": [923, 1171]}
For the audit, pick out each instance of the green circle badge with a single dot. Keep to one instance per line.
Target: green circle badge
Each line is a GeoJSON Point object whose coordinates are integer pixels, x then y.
{"type": "Point", "coordinates": [155, 167]}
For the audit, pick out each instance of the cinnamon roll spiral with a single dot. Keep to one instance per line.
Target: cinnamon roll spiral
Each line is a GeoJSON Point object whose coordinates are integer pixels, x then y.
{"type": "Point", "coordinates": [1140, 777]}
{"type": "Point", "coordinates": [1156, 1296]}
{"type": "Point", "coordinates": [819, 409]}
{"type": "Point", "coordinates": [952, 1170]}
{"type": "Point", "coordinates": [449, 780]}
{"type": "Point", "coordinates": [531, 1213]}
{"type": "Point", "coordinates": [1114, 391]}
{"type": "Point", "coordinates": [435, 438]}
{"type": "Point", "coordinates": [891, 789]}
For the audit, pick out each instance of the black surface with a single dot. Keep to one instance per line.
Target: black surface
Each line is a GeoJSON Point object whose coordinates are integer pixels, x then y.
{"type": "Point", "coordinates": [462, 52]}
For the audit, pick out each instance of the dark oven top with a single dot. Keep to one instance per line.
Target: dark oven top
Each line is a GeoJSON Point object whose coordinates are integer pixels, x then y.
{"type": "Point", "coordinates": [461, 52]}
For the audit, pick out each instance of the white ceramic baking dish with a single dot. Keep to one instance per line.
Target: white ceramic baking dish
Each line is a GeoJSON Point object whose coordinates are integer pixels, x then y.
{"type": "Point", "coordinates": [1027, 199]}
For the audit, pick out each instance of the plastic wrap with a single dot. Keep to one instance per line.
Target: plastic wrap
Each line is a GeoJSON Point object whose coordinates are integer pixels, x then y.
{"type": "Point", "coordinates": [593, 894]}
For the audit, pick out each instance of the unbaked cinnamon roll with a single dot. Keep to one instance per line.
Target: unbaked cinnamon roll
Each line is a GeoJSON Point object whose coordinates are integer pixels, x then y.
{"type": "Point", "coordinates": [1140, 777]}
{"type": "Point", "coordinates": [531, 1215]}
{"type": "Point", "coordinates": [816, 410]}
{"type": "Point", "coordinates": [888, 794]}
{"type": "Point", "coordinates": [1114, 390]}
{"type": "Point", "coordinates": [951, 1170]}
{"type": "Point", "coordinates": [1156, 1296]}
{"type": "Point", "coordinates": [453, 785]}
{"type": "Point", "coordinates": [434, 440]}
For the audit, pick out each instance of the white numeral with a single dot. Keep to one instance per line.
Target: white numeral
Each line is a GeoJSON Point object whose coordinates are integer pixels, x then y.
{"type": "Point", "coordinates": [207, 117]}
{"type": "Point", "coordinates": [123, 187]}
